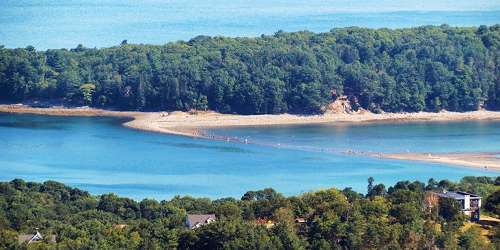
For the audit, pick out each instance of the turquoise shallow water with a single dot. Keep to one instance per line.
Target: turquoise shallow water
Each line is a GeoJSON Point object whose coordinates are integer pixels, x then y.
{"type": "Point", "coordinates": [99, 155]}
{"type": "Point", "coordinates": [467, 136]}
{"type": "Point", "coordinates": [63, 23]}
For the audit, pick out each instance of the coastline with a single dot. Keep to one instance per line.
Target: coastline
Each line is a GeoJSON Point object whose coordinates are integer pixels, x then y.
{"type": "Point", "coordinates": [193, 125]}
{"type": "Point", "coordinates": [482, 160]}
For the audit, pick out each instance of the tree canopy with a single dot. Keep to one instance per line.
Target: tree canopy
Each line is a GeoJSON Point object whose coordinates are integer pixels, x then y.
{"type": "Point", "coordinates": [426, 68]}
{"type": "Point", "coordinates": [396, 218]}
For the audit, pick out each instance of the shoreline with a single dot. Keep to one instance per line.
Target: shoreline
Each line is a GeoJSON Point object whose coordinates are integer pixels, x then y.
{"type": "Point", "coordinates": [194, 124]}
{"type": "Point", "coordinates": [191, 124]}
{"type": "Point", "coordinates": [145, 121]}
{"type": "Point", "coordinates": [479, 160]}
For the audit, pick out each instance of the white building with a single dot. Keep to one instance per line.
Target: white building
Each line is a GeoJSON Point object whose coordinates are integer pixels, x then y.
{"type": "Point", "coordinates": [470, 203]}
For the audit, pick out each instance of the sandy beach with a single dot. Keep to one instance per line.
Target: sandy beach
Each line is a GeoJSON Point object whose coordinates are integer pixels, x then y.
{"type": "Point", "coordinates": [489, 161]}
{"type": "Point", "coordinates": [193, 124]}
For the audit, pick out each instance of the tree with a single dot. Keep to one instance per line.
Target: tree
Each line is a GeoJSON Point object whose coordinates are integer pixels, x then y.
{"type": "Point", "coordinates": [450, 209]}
{"type": "Point", "coordinates": [8, 239]}
{"type": "Point", "coordinates": [285, 229]}
{"type": "Point", "coordinates": [87, 90]}
{"type": "Point", "coordinates": [67, 85]}
{"type": "Point", "coordinates": [378, 189]}
{"type": "Point", "coordinates": [492, 203]}
{"type": "Point", "coordinates": [334, 220]}
{"type": "Point", "coordinates": [370, 184]}
{"type": "Point", "coordinates": [431, 184]}
{"type": "Point", "coordinates": [472, 239]}
{"type": "Point", "coordinates": [228, 210]}
{"type": "Point", "coordinates": [406, 70]}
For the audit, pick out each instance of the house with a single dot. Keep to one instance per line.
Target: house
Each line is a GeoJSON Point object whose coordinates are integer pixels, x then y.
{"type": "Point", "coordinates": [34, 238]}
{"type": "Point", "coordinates": [197, 220]}
{"type": "Point", "coordinates": [268, 223]}
{"type": "Point", "coordinates": [301, 225]}
{"type": "Point", "coordinates": [470, 203]}
{"type": "Point", "coordinates": [300, 220]}
{"type": "Point", "coordinates": [120, 226]}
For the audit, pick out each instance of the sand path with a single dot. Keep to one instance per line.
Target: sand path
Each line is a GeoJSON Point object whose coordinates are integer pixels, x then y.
{"type": "Point", "coordinates": [193, 125]}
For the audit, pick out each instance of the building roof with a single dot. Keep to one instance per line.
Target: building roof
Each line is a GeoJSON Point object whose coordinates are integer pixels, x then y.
{"type": "Point", "coordinates": [300, 220]}
{"type": "Point", "coordinates": [34, 238]}
{"type": "Point", "coordinates": [24, 238]}
{"type": "Point", "coordinates": [195, 220]}
{"type": "Point", "coordinates": [120, 226]}
{"type": "Point", "coordinates": [457, 195]}
{"type": "Point", "coordinates": [263, 221]}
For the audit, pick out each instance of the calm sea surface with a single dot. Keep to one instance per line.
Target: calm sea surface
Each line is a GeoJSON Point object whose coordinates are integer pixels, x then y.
{"type": "Point", "coordinates": [67, 23]}
{"type": "Point", "coordinates": [99, 155]}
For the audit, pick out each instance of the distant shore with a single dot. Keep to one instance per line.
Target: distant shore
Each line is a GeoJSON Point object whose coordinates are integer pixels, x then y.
{"type": "Point", "coordinates": [484, 160]}
{"type": "Point", "coordinates": [193, 124]}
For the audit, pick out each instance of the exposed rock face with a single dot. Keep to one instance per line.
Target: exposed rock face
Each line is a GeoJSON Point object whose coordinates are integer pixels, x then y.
{"type": "Point", "coordinates": [343, 105]}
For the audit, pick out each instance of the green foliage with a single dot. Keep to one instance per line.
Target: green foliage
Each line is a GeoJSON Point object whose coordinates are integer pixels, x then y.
{"type": "Point", "coordinates": [8, 239]}
{"type": "Point", "coordinates": [492, 203]}
{"type": "Point", "coordinates": [86, 91]}
{"type": "Point", "coordinates": [449, 209]}
{"type": "Point", "coordinates": [472, 239]}
{"type": "Point", "coordinates": [396, 219]}
{"type": "Point", "coordinates": [425, 68]}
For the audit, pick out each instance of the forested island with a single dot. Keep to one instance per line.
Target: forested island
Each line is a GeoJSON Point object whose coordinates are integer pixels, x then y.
{"type": "Point", "coordinates": [428, 68]}
{"type": "Point", "coordinates": [395, 218]}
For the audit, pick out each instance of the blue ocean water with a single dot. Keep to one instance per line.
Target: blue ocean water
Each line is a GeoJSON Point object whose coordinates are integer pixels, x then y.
{"type": "Point", "coordinates": [389, 137]}
{"type": "Point", "coordinates": [99, 155]}
{"type": "Point", "coordinates": [66, 23]}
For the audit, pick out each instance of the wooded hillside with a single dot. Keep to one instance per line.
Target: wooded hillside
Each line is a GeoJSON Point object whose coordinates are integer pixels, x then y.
{"type": "Point", "coordinates": [426, 68]}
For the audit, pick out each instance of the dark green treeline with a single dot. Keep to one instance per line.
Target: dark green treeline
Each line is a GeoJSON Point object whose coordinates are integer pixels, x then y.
{"type": "Point", "coordinates": [419, 69]}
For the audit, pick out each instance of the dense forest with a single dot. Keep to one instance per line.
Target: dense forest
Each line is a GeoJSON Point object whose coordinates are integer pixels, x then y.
{"type": "Point", "coordinates": [415, 69]}
{"type": "Point", "coordinates": [393, 218]}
